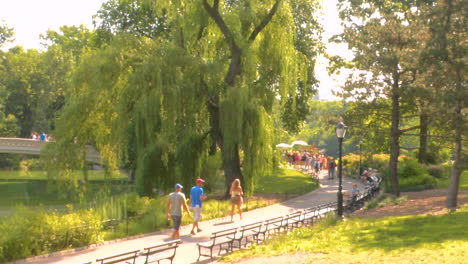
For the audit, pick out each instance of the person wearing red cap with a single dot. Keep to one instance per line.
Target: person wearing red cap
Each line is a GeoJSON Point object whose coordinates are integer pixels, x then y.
{"type": "Point", "coordinates": [197, 195]}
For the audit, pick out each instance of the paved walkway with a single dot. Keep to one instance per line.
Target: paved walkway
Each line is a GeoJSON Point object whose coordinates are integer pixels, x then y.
{"type": "Point", "coordinates": [188, 251]}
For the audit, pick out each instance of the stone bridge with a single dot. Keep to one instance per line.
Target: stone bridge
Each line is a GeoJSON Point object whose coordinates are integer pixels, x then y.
{"type": "Point", "coordinates": [34, 147]}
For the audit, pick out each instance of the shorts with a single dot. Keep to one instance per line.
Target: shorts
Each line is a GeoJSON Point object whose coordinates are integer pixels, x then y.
{"type": "Point", "coordinates": [237, 200]}
{"type": "Point", "coordinates": [196, 213]}
{"type": "Point", "coordinates": [177, 220]}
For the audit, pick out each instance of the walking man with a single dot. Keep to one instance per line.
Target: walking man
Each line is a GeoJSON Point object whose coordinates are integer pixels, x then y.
{"type": "Point", "coordinates": [331, 170]}
{"type": "Point", "coordinates": [197, 195]}
{"type": "Point", "coordinates": [175, 203]}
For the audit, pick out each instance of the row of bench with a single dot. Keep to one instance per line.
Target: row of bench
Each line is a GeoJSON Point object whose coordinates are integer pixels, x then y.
{"type": "Point", "coordinates": [151, 254]}
{"type": "Point", "coordinates": [229, 239]}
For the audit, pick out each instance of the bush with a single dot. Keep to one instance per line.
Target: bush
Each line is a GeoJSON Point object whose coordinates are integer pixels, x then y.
{"type": "Point", "coordinates": [351, 164]}
{"type": "Point", "coordinates": [29, 233]}
{"type": "Point", "coordinates": [27, 165]}
{"type": "Point", "coordinates": [413, 175]}
{"type": "Point", "coordinates": [435, 171]}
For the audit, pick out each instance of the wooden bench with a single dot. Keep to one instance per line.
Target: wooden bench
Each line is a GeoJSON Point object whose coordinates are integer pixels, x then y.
{"type": "Point", "coordinates": [246, 233]}
{"type": "Point", "coordinates": [160, 252]}
{"type": "Point", "coordinates": [128, 257]}
{"type": "Point", "coordinates": [223, 239]}
{"type": "Point", "coordinates": [273, 226]}
{"type": "Point", "coordinates": [293, 220]}
{"type": "Point", "coordinates": [310, 215]}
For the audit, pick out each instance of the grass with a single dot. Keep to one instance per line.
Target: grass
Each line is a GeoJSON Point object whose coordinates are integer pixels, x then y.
{"type": "Point", "coordinates": [286, 181]}
{"type": "Point", "coordinates": [407, 239]}
{"type": "Point", "coordinates": [445, 183]}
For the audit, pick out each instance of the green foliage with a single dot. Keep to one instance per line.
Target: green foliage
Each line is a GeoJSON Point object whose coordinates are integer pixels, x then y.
{"type": "Point", "coordinates": [8, 125]}
{"type": "Point", "coordinates": [161, 102]}
{"type": "Point", "coordinates": [29, 233]}
{"type": "Point", "coordinates": [407, 239]}
{"type": "Point", "coordinates": [135, 17]}
{"type": "Point", "coordinates": [211, 171]}
{"type": "Point", "coordinates": [414, 176]}
{"type": "Point", "coordinates": [6, 33]}
{"type": "Point", "coordinates": [384, 200]}
{"type": "Point", "coordinates": [26, 165]}
{"type": "Point", "coordinates": [435, 171]}
{"type": "Point", "coordinates": [445, 182]}
{"type": "Point", "coordinates": [375, 202]}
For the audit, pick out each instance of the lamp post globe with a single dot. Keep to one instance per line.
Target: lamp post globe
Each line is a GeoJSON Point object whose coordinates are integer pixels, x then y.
{"type": "Point", "coordinates": [340, 131]}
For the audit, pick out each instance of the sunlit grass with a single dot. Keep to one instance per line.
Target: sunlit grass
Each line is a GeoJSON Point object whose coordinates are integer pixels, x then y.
{"type": "Point", "coordinates": [407, 239]}
{"type": "Point", "coordinates": [286, 181]}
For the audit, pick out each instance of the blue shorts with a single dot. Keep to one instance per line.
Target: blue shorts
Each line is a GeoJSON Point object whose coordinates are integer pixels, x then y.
{"type": "Point", "coordinates": [177, 220]}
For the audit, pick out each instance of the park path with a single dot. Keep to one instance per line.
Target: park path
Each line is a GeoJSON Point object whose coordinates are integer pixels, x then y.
{"type": "Point", "coordinates": [188, 251]}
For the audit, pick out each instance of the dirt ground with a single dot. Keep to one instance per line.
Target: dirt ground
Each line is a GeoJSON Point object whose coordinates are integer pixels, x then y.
{"type": "Point", "coordinates": [417, 203]}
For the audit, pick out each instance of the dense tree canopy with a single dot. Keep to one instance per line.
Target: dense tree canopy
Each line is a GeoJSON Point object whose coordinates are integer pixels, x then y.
{"type": "Point", "coordinates": [210, 82]}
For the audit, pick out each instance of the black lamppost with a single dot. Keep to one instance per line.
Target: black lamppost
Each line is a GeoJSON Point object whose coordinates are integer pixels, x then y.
{"type": "Point", "coordinates": [340, 131]}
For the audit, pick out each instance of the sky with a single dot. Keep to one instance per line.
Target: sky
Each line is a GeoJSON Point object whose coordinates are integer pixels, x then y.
{"type": "Point", "coordinates": [30, 18]}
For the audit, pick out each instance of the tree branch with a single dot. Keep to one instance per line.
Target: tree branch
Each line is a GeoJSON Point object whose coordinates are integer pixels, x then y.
{"type": "Point", "coordinates": [265, 21]}
{"type": "Point", "coordinates": [214, 14]}
{"type": "Point", "coordinates": [408, 129]}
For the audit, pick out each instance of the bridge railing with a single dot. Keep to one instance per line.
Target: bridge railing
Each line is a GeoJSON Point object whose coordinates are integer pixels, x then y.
{"type": "Point", "coordinates": [32, 146]}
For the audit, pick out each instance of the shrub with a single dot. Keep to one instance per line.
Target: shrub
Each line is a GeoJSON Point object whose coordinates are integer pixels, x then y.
{"type": "Point", "coordinates": [351, 163]}
{"type": "Point", "coordinates": [435, 171]}
{"type": "Point", "coordinates": [29, 233]}
{"type": "Point", "coordinates": [413, 175]}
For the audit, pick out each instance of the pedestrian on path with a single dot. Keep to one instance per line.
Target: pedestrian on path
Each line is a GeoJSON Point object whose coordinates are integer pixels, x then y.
{"type": "Point", "coordinates": [331, 169]}
{"type": "Point", "coordinates": [236, 197]}
{"type": "Point", "coordinates": [175, 203]}
{"type": "Point", "coordinates": [354, 192]}
{"type": "Point", "coordinates": [197, 195]}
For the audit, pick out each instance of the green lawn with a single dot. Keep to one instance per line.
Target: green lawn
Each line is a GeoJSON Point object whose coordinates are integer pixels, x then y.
{"type": "Point", "coordinates": [408, 239]}
{"type": "Point", "coordinates": [444, 183]}
{"type": "Point", "coordinates": [286, 181]}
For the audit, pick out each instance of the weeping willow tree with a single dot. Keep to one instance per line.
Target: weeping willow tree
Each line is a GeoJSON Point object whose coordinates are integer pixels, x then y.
{"type": "Point", "coordinates": [208, 84]}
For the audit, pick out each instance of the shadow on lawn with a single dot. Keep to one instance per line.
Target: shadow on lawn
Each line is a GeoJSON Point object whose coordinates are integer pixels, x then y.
{"type": "Point", "coordinates": [410, 231]}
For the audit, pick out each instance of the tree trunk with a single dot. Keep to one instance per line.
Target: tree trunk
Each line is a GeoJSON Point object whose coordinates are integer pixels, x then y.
{"type": "Point", "coordinates": [395, 138]}
{"type": "Point", "coordinates": [456, 172]}
{"type": "Point", "coordinates": [230, 157]}
{"type": "Point", "coordinates": [231, 166]}
{"type": "Point", "coordinates": [460, 162]}
{"type": "Point", "coordinates": [423, 122]}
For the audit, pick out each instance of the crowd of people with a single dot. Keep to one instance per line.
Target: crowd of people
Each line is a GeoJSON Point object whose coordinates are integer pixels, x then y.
{"type": "Point", "coordinates": [311, 161]}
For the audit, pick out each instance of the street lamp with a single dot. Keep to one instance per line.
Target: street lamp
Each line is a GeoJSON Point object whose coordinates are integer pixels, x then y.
{"type": "Point", "coordinates": [340, 131]}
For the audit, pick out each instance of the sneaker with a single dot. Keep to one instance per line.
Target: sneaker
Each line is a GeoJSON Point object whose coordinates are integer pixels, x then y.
{"type": "Point", "coordinates": [192, 233]}
{"type": "Point", "coordinates": [199, 230]}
